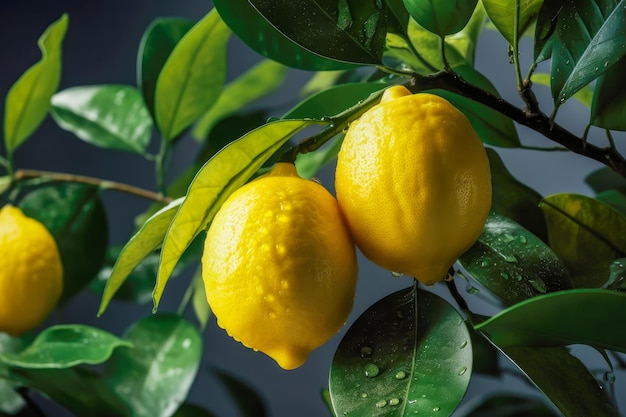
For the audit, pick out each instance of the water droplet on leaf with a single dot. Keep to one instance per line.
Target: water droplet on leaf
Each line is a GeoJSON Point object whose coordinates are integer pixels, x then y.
{"type": "Point", "coordinates": [400, 375]}
{"type": "Point", "coordinates": [381, 404]}
{"type": "Point", "coordinates": [394, 401]}
{"type": "Point", "coordinates": [366, 352]}
{"type": "Point", "coordinates": [371, 370]}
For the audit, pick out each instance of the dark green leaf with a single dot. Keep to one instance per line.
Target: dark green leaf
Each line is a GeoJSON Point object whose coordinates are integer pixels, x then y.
{"type": "Point", "coordinates": [191, 410]}
{"type": "Point", "coordinates": [346, 30]}
{"type": "Point", "coordinates": [385, 365]}
{"type": "Point", "coordinates": [617, 276]}
{"type": "Point", "coordinates": [157, 43]}
{"type": "Point", "coordinates": [492, 127]}
{"type": "Point", "coordinates": [615, 199]}
{"type": "Point", "coordinates": [398, 16]}
{"type": "Point", "coordinates": [108, 116]}
{"type": "Point", "coordinates": [79, 390]}
{"type": "Point", "coordinates": [10, 401]}
{"type": "Point", "coordinates": [261, 36]}
{"type": "Point", "coordinates": [509, 405]}
{"type": "Point", "coordinates": [515, 200]}
{"type": "Point", "coordinates": [28, 101]}
{"type": "Point", "coordinates": [65, 346]}
{"type": "Point", "coordinates": [191, 79]}
{"type": "Point", "coordinates": [609, 101]}
{"type": "Point", "coordinates": [486, 356]}
{"type": "Point", "coordinates": [584, 95]}
{"type": "Point", "coordinates": [605, 179]}
{"type": "Point", "coordinates": [502, 15]}
{"type": "Point", "coordinates": [441, 17]}
{"type": "Point", "coordinates": [586, 234]}
{"type": "Point", "coordinates": [246, 398]}
{"type": "Point", "coordinates": [558, 319]}
{"type": "Point", "coordinates": [513, 263]}
{"type": "Point", "coordinates": [563, 379]}
{"type": "Point", "coordinates": [154, 376]}
{"type": "Point", "coordinates": [259, 81]}
{"type": "Point", "coordinates": [217, 179]}
{"type": "Point", "coordinates": [583, 38]}
{"type": "Point", "coordinates": [75, 216]}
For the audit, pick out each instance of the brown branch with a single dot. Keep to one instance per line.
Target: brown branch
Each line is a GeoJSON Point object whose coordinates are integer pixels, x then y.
{"type": "Point", "coordinates": [24, 174]}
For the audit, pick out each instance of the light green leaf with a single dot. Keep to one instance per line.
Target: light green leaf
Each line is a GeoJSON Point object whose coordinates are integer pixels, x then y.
{"type": "Point", "coordinates": [154, 376]}
{"type": "Point", "coordinates": [199, 302]}
{"type": "Point", "coordinates": [191, 80]}
{"type": "Point", "coordinates": [109, 116]}
{"type": "Point", "coordinates": [228, 170]}
{"type": "Point", "coordinates": [65, 346]}
{"type": "Point", "coordinates": [441, 17]}
{"type": "Point", "coordinates": [259, 81]}
{"type": "Point", "coordinates": [308, 164]}
{"type": "Point", "coordinates": [502, 15]}
{"type": "Point", "coordinates": [10, 401]}
{"type": "Point", "coordinates": [148, 238]}
{"type": "Point", "coordinates": [28, 101]}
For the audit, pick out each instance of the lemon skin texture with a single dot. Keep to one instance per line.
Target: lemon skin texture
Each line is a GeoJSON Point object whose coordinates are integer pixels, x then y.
{"type": "Point", "coordinates": [414, 183]}
{"type": "Point", "coordinates": [279, 266]}
{"type": "Point", "coordinates": [31, 273]}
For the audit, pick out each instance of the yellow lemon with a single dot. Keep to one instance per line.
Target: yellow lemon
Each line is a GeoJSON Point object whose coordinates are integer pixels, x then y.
{"type": "Point", "coordinates": [279, 266]}
{"type": "Point", "coordinates": [414, 184]}
{"type": "Point", "coordinates": [31, 273]}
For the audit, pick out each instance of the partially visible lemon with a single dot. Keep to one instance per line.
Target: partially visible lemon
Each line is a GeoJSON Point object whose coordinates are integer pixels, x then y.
{"type": "Point", "coordinates": [31, 273]}
{"type": "Point", "coordinates": [279, 266]}
{"type": "Point", "coordinates": [414, 184]}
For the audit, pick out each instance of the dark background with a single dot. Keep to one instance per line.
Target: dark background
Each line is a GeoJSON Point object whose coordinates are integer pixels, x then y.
{"type": "Point", "coordinates": [100, 47]}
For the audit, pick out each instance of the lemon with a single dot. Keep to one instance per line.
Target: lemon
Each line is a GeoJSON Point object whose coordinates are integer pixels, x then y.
{"type": "Point", "coordinates": [31, 273]}
{"type": "Point", "coordinates": [279, 266]}
{"type": "Point", "coordinates": [414, 184]}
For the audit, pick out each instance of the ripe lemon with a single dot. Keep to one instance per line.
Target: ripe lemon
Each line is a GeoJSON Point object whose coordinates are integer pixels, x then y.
{"type": "Point", "coordinates": [31, 273]}
{"type": "Point", "coordinates": [414, 184]}
{"type": "Point", "coordinates": [279, 266]}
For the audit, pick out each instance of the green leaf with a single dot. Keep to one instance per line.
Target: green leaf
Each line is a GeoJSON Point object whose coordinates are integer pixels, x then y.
{"type": "Point", "coordinates": [583, 96]}
{"type": "Point", "coordinates": [564, 380]}
{"type": "Point", "coordinates": [192, 77]}
{"type": "Point", "coordinates": [28, 101]}
{"type": "Point", "coordinates": [616, 199]}
{"type": "Point", "coordinates": [586, 234]}
{"type": "Point", "coordinates": [502, 14]}
{"type": "Point", "coordinates": [199, 302]}
{"type": "Point", "coordinates": [486, 356]}
{"type": "Point", "coordinates": [386, 364]}
{"type": "Point", "coordinates": [108, 116]}
{"type": "Point", "coordinates": [157, 43]}
{"type": "Point", "coordinates": [398, 16]}
{"type": "Point", "coordinates": [75, 215]}
{"type": "Point", "coordinates": [464, 42]}
{"type": "Point", "coordinates": [609, 101]}
{"type": "Point", "coordinates": [246, 398]}
{"type": "Point", "coordinates": [492, 127]}
{"type": "Point", "coordinates": [557, 319]}
{"type": "Point", "coordinates": [192, 410]}
{"type": "Point", "coordinates": [350, 31]}
{"type": "Point", "coordinates": [148, 238]}
{"type": "Point", "coordinates": [65, 346]}
{"type": "Point", "coordinates": [262, 37]}
{"type": "Point", "coordinates": [605, 179]}
{"type": "Point", "coordinates": [154, 376]}
{"type": "Point", "coordinates": [10, 401]}
{"type": "Point", "coordinates": [515, 200]}
{"type": "Point", "coordinates": [441, 17]}
{"type": "Point", "coordinates": [508, 405]}
{"type": "Point", "coordinates": [513, 263]}
{"type": "Point", "coordinates": [617, 276]}
{"type": "Point", "coordinates": [308, 164]}
{"type": "Point", "coordinates": [584, 39]}
{"type": "Point", "coordinates": [257, 82]}
{"type": "Point", "coordinates": [80, 390]}
{"type": "Point", "coordinates": [217, 179]}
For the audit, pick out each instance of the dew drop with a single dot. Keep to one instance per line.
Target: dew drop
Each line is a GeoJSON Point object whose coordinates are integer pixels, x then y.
{"type": "Point", "coordinates": [504, 275]}
{"type": "Point", "coordinates": [471, 289]}
{"type": "Point", "coordinates": [463, 370]}
{"type": "Point", "coordinates": [463, 344]}
{"type": "Point", "coordinates": [510, 258]}
{"type": "Point", "coordinates": [400, 375]}
{"type": "Point", "coordinates": [435, 409]}
{"type": "Point", "coordinates": [539, 285]}
{"type": "Point", "coordinates": [364, 395]}
{"type": "Point", "coordinates": [399, 314]}
{"type": "Point", "coordinates": [366, 352]}
{"type": "Point", "coordinates": [396, 274]}
{"type": "Point", "coordinates": [507, 238]}
{"type": "Point", "coordinates": [371, 370]}
{"type": "Point", "coordinates": [485, 263]}
{"type": "Point", "coordinates": [523, 239]}
{"type": "Point", "coordinates": [381, 404]}
{"type": "Point", "coordinates": [394, 401]}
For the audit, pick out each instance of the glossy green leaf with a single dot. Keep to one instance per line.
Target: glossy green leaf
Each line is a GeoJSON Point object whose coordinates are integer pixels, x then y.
{"type": "Point", "coordinates": [583, 96]}
{"type": "Point", "coordinates": [148, 238]}
{"type": "Point", "coordinates": [75, 215]}
{"type": "Point", "coordinates": [507, 405]}
{"type": "Point", "coordinates": [262, 37]}
{"type": "Point", "coordinates": [192, 410]}
{"type": "Point", "coordinates": [191, 79]}
{"type": "Point", "coordinates": [397, 16]}
{"type": "Point", "coordinates": [157, 43]}
{"type": "Point", "coordinates": [441, 17]}
{"type": "Point", "coordinates": [108, 116]}
{"type": "Point", "coordinates": [605, 179]}
{"type": "Point", "coordinates": [80, 390]}
{"type": "Point", "coordinates": [513, 263]}
{"type": "Point", "coordinates": [616, 199]}
{"type": "Point", "coordinates": [586, 234]}
{"type": "Point", "coordinates": [200, 305]}
{"type": "Point", "coordinates": [565, 381]}
{"type": "Point", "coordinates": [486, 356]}
{"type": "Point", "coordinates": [350, 31]}
{"type": "Point", "coordinates": [246, 398]}
{"type": "Point", "coordinates": [583, 39]}
{"type": "Point", "coordinates": [492, 127]}
{"type": "Point", "coordinates": [558, 319]}
{"type": "Point", "coordinates": [257, 82]}
{"type": "Point", "coordinates": [308, 164]}
{"type": "Point", "coordinates": [154, 376]}
{"type": "Point", "coordinates": [515, 200]}
{"type": "Point", "coordinates": [608, 109]}
{"type": "Point", "coordinates": [464, 42]}
{"type": "Point", "coordinates": [10, 401]}
{"type": "Point", "coordinates": [228, 170]}
{"type": "Point", "coordinates": [65, 346]}
{"type": "Point", "coordinates": [502, 14]}
{"type": "Point", "coordinates": [385, 365]}
{"type": "Point", "coordinates": [28, 101]}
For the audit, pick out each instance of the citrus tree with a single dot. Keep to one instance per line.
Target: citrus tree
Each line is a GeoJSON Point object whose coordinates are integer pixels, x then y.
{"type": "Point", "coordinates": [415, 129]}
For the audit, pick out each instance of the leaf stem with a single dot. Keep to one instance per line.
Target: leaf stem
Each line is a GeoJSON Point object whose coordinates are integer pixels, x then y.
{"type": "Point", "coordinates": [25, 174]}
{"type": "Point", "coordinates": [515, 46]}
